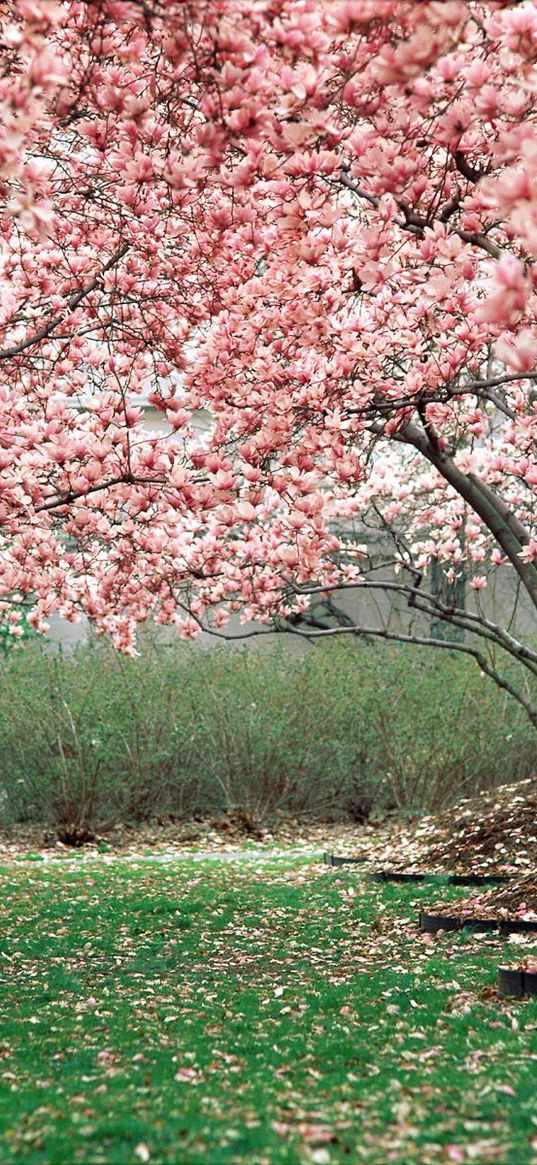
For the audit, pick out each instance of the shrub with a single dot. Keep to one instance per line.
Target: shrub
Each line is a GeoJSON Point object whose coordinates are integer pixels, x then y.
{"type": "Point", "coordinates": [348, 727]}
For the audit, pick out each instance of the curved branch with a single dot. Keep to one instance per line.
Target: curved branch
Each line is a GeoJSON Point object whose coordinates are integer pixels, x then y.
{"type": "Point", "coordinates": [489, 394]}
{"type": "Point", "coordinates": [430, 605]}
{"type": "Point", "coordinates": [408, 220]}
{"type": "Point", "coordinates": [71, 303]}
{"type": "Point", "coordinates": [393, 636]}
{"type": "Point", "coordinates": [510, 534]}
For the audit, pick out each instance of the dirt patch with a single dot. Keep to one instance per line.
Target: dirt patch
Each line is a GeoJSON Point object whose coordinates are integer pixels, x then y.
{"type": "Point", "coordinates": [209, 835]}
{"type": "Point", "coordinates": [486, 834]}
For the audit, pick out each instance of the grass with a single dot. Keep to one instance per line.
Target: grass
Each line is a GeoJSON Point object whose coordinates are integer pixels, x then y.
{"type": "Point", "coordinates": [262, 1013]}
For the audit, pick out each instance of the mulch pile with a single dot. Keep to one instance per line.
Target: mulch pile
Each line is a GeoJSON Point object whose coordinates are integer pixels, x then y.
{"type": "Point", "coordinates": [491, 833]}
{"type": "Point", "coordinates": [518, 900]}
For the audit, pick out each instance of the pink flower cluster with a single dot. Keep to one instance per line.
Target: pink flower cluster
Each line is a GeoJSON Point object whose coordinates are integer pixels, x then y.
{"type": "Point", "coordinates": [312, 223]}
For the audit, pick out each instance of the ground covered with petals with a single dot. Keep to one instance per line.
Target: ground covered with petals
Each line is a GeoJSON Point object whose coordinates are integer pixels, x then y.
{"type": "Point", "coordinates": [486, 834]}
{"type": "Point", "coordinates": [252, 1011]}
{"type": "Point", "coordinates": [223, 833]}
{"type": "Point", "coordinates": [492, 832]}
{"type": "Point", "coordinates": [496, 830]}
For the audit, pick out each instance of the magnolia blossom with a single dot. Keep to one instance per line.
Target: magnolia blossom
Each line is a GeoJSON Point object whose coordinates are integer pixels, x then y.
{"type": "Point", "coordinates": [313, 228]}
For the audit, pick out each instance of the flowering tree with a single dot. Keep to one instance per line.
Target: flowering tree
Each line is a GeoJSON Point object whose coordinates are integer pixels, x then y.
{"type": "Point", "coordinates": [316, 220]}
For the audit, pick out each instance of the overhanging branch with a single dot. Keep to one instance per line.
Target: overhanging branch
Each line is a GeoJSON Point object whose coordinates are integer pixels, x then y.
{"type": "Point", "coordinates": [392, 636]}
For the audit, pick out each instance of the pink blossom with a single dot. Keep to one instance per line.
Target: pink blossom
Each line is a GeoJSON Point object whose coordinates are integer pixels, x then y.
{"type": "Point", "coordinates": [505, 305]}
{"type": "Point", "coordinates": [518, 352]}
{"type": "Point", "coordinates": [529, 553]}
{"type": "Point", "coordinates": [297, 243]}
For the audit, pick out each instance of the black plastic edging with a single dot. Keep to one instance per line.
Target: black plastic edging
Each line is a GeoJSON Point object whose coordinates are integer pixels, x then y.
{"type": "Point", "coordinates": [395, 876]}
{"type": "Point", "coordinates": [332, 860]}
{"type": "Point", "coordinates": [431, 923]}
{"type": "Point", "coordinates": [447, 879]}
{"type": "Point", "coordinates": [515, 982]}
{"type": "Point", "coordinates": [434, 922]}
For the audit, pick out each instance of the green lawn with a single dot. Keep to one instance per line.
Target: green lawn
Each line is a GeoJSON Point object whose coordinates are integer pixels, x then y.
{"type": "Point", "coordinates": [258, 1013]}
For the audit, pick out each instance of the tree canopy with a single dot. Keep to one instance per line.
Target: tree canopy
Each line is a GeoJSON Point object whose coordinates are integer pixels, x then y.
{"type": "Point", "coordinates": [318, 222]}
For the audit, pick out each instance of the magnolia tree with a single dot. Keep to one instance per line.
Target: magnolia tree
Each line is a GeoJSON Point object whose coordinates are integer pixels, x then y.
{"type": "Point", "coordinates": [316, 220]}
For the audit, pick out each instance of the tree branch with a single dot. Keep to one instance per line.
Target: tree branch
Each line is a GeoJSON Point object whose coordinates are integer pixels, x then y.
{"type": "Point", "coordinates": [430, 605]}
{"type": "Point", "coordinates": [408, 220]}
{"type": "Point", "coordinates": [508, 532]}
{"type": "Point", "coordinates": [471, 173]}
{"type": "Point", "coordinates": [71, 304]}
{"type": "Point", "coordinates": [392, 636]}
{"type": "Point", "coordinates": [67, 499]}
